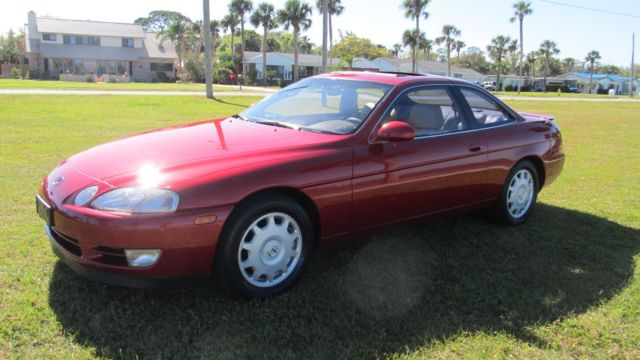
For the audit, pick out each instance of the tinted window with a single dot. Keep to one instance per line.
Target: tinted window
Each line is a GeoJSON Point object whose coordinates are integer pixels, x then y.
{"type": "Point", "coordinates": [428, 110]}
{"type": "Point", "coordinates": [161, 67]}
{"type": "Point", "coordinates": [127, 42]}
{"type": "Point", "coordinates": [49, 37]}
{"type": "Point", "coordinates": [486, 111]}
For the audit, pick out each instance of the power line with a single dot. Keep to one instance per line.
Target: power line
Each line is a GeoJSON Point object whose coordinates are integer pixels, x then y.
{"type": "Point", "coordinates": [590, 9]}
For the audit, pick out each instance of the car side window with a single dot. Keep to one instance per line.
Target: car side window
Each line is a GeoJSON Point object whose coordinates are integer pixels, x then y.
{"type": "Point", "coordinates": [429, 111]}
{"type": "Point", "coordinates": [486, 111]}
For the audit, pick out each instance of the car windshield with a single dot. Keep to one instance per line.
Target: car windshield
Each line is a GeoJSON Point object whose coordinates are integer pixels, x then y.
{"type": "Point", "coordinates": [333, 106]}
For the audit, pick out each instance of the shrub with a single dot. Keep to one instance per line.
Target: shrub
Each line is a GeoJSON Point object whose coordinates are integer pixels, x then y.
{"type": "Point", "coordinates": [162, 77]}
{"type": "Point", "coordinates": [89, 78]}
{"type": "Point", "coordinates": [508, 87]}
{"type": "Point", "coordinates": [194, 67]}
{"type": "Point", "coordinates": [112, 80]}
{"type": "Point", "coordinates": [252, 77]}
{"type": "Point", "coordinates": [15, 73]}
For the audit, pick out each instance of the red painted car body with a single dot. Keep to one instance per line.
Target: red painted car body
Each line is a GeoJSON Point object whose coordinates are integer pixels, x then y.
{"type": "Point", "coordinates": [348, 183]}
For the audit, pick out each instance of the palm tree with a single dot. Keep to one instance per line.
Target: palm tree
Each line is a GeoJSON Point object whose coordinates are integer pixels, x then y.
{"type": "Point", "coordinates": [197, 31]}
{"type": "Point", "coordinates": [297, 15]}
{"type": "Point", "coordinates": [230, 22]}
{"type": "Point", "coordinates": [335, 8]}
{"type": "Point", "coordinates": [591, 58]}
{"type": "Point", "coordinates": [513, 54]}
{"type": "Point", "coordinates": [397, 48]}
{"type": "Point", "coordinates": [449, 33]}
{"type": "Point", "coordinates": [532, 60]}
{"type": "Point", "coordinates": [547, 49]}
{"type": "Point", "coordinates": [241, 8]}
{"type": "Point", "coordinates": [176, 32]}
{"type": "Point", "coordinates": [414, 9]}
{"type": "Point", "coordinates": [458, 46]}
{"type": "Point", "coordinates": [265, 16]}
{"type": "Point", "coordinates": [520, 10]}
{"type": "Point", "coordinates": [568, 64]}
{"type": "Point", "coordinates": [426, 45]}
{"type": "Point", "coordinates": [412, 39]}
{"type": "Point", "coordinates": [497, 48]}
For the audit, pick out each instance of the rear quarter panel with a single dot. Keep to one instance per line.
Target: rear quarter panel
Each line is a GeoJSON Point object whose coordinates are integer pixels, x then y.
{"type": "Point", "coordinates": [525, 138]}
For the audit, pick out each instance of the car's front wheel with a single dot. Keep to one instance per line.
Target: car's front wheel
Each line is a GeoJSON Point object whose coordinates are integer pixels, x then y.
{"type": "Point", "coordinates": [264, 246]}
{"type": "Point", "coordinates": [519, 194]}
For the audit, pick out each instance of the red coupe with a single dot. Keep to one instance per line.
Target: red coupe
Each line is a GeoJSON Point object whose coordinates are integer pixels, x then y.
{"type": "Point", "coordinates": [248, 198]}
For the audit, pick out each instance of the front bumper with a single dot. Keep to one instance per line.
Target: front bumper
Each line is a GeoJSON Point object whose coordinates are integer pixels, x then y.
{"type": "Point", "coordinates": [92, 243]}
{"type": "Point", "coordinates": [119, 279]}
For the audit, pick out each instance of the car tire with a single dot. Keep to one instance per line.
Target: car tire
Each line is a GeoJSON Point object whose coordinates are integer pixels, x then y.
{"type": "Point", "coordinates": [263, 247]}
{"type": "Point", "coordinates": [519, 195]}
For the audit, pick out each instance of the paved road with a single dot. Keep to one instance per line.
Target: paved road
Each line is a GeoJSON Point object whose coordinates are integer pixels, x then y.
{"type": "Point", "coordinates": [252, 91]}
{"type": "Point", "coordinates": [531, 98]}
{"type": "Point", "coordinates": [131, 93]}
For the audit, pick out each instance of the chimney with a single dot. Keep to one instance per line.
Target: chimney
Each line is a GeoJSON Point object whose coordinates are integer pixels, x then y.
{"type": "Point", "coordinates": [32, 26]}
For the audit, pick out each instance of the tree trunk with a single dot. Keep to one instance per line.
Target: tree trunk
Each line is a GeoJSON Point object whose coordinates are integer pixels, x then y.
{"type": "Point", "coordinates": [546, 71]}
{"type": "Point", "coordinates": [242, 39]}
{"type": "Point", "coordinates": [521, 55]}
{"type": "Point", "coordinates": [330, 41]}
{"type": "Point", "coordinates": [181, 53]}
{"type": "Point", "coordinates": [295, 54]}
{"type": "Point", "coordinates": [415, 50]}
{"type": "Point", "coordinates": [264, 56]}
{"type": "Point", "coordinates": [499, 71]}
{"type": "Point", "coordinates": [448, 58]}
{"type": "Point", "coordinates": [591, 77]}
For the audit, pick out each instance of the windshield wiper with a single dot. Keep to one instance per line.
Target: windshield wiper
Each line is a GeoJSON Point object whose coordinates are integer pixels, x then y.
{"type": "Point", "coordinates": [241, 117]}
{"type": "Point", "coordinates": [279, 124]}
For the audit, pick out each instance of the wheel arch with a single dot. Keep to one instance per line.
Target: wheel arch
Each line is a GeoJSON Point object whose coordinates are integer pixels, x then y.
{"type": "Point", "coordinates": [296, 195]}
{"type": "Point", "coordinates": [537, 162]}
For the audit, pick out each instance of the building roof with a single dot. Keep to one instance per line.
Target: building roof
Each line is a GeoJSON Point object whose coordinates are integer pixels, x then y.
{"type": "Point", "coordinates": [303, 59]}
{"type": "Point", "coordinates": [596, 77]}
{"type": "Point", "coordinates": [87, 27]}
{"type": "Point", "coordinates": [152, 48]}
{"type": "Point", "coordinates": [428, 67]}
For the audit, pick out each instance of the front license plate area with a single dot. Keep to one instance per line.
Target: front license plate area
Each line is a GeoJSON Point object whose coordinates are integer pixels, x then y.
{"type": "Point", "coordinates": [44, 210]}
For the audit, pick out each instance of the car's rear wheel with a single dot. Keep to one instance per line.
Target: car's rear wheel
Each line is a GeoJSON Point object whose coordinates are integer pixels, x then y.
{"type": "Point", "coordinates": [264, 246]}
{"type": "Point", "coordinates": [519, 194]}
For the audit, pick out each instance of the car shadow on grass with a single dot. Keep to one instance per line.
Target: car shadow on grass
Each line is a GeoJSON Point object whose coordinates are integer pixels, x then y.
{"type": "Point", "coordinates": [390, 292]}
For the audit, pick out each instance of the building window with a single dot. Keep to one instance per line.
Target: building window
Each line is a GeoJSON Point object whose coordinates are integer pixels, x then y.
{"type": "Point", "coordinates": [78, 66]}
{"type": "Point", "coordinates": [93, 40]}
{"type": "Point", "coordinates": [112, 67]}
{"type": "Point", "coordinates": [72, 40]}
{"type": "Point", "coordinates": [48, 37]}
{"type": "Point", "coordinates": [161, 66]}
{"type": "Point", "coordinates": [127, 42]}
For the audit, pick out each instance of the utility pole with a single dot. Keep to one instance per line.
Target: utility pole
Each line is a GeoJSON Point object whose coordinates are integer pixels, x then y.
{"type": "Point", "coordinates": [632, 81]}
{"type": "Point", "coordinates": [207, 49]}
{"type": "Point", "coordinates": [325, 32]}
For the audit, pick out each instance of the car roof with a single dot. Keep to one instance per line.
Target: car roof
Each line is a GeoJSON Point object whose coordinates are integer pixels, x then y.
{"type": "Point", "coordinates": [392, 78]}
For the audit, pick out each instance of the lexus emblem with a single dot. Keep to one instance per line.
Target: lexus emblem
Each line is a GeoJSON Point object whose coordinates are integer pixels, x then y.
{"type": "Point", "coordinates": [58, 181]}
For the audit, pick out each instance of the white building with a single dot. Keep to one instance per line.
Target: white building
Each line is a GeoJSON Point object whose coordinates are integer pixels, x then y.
{"type": "Point", "coordinates": [81, 48]}
{"type": "Point", "coordinates": [281, 64]}
{"type": "Point", "coordinates": [428, 67]}
{"type": "Point", "coordinates": [601, 82]}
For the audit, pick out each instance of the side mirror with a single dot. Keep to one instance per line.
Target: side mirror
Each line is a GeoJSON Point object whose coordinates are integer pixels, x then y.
{"type": "Point", "coordinates": [395, 131]}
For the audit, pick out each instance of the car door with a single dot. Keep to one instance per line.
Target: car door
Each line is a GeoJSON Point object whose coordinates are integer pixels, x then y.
{"type": "Point", "coordinates": [443, 168]}
{"type": "Point", "coordinates": [508, 139]}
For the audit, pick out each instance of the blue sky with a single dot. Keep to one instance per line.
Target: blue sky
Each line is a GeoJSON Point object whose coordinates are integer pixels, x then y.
{"type": "Point", "coordinates": [575, 31]}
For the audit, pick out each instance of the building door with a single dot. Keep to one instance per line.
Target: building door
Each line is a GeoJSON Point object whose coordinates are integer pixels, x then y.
{"type": "Point", "coordinates": [130, 69]}
{"type": "Point", "coordinates": [46, 65]}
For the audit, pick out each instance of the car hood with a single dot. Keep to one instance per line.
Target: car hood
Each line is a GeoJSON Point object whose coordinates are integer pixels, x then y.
{"type": "Point", "coordinates": [164, 157]}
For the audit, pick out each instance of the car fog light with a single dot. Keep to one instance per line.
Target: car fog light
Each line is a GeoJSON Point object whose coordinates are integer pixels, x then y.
{"type": "Point", "coordinates": [85, 195]}
{"type": "Point", "coordinates": [142, 258]}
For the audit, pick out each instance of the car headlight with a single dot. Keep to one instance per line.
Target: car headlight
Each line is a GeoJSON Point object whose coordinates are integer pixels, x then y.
{"type": "Point", "coordinates": [137, 200]}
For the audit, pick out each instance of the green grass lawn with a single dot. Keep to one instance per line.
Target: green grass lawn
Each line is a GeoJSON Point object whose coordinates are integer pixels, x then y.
{"type": "Point", "coordinates": [555, 94]}
{"type": "Point", "coordinates": [68, 85]}
{"type": "Point", "coordinates": [566, 284]}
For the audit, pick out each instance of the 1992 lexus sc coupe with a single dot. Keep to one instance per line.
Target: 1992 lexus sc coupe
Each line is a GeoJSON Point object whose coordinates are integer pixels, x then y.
{"type": "Point", "coordinates": [249, 197]}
